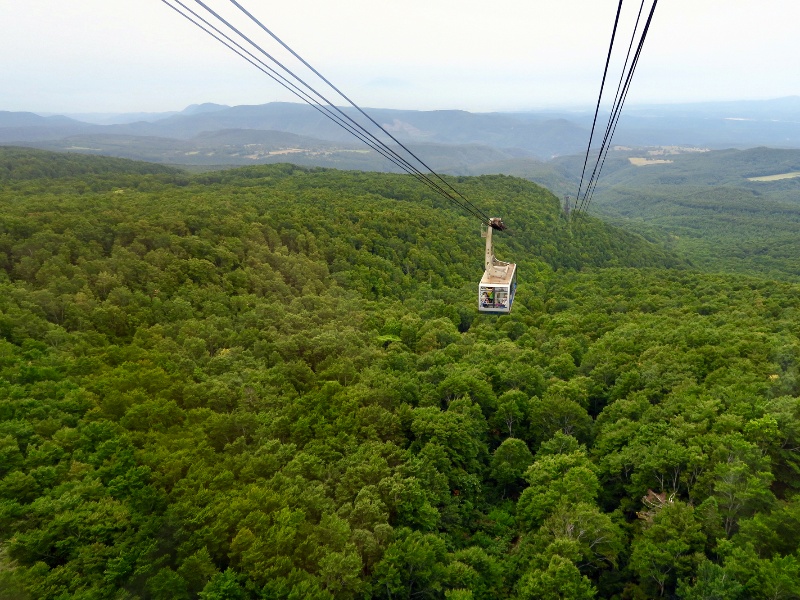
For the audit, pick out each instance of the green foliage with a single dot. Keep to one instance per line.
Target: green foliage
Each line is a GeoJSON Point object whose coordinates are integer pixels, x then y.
{"type": "Point", "coordinates": [273, 383]}
{"type": "Point", "coordinates": [668, 547]}
{"type": "Point", "coordinates": [703, 206]}
{"type": "Point", "coordinates": [510, 461]}
{"type": "Point", "coordinates": [19, 164]}
{"type": "Point", "coordinates": [412, 567]}
{"type": "Point", "coordinates": [560, 580]}
{"type": "Point", "coordinates": [553, 480]}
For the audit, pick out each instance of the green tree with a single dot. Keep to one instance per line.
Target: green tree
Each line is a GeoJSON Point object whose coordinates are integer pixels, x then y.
{"type": "Point", "coordinates": [712, 583]}
{"type": "Point", "coordinates": [555, 479]}
{"type": "Point", "coordinates": [223, 586]}
{"type": "Point", "coordinates": [413, 566]}
{"type": "Point", "coordinates": [510, 460]}
{"type": "Point", "coordinates": [559, 580]}
{"type": "Point", "coordinates": [669, 546]}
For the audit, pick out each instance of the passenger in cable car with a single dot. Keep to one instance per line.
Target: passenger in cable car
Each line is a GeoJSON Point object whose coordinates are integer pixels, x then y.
{"type": "Point", "coordinates": [496, 289]}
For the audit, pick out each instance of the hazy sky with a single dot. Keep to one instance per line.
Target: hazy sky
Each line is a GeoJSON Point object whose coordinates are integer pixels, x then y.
{"type": "Point", "coordinates": [138, 55]}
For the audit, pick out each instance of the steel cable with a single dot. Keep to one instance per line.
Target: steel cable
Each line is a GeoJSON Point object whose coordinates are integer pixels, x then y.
{"type": "Point", "coordinates": [342, 119]}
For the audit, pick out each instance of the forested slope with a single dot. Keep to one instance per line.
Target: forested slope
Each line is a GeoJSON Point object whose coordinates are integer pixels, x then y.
{"type": "Point", "coordinates": [705, 206]}
{"type": "Point", "coordinates": [19, 164]}
{"type": "Point", "coordinates": [273, 383]}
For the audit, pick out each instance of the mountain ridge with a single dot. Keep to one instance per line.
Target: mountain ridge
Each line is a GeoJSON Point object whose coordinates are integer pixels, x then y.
{"type": "Point", "coordinates": [543, 134]}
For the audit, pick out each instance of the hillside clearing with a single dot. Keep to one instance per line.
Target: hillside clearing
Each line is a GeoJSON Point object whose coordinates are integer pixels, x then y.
{"type": "Point", "coordinates": [776, 177]}
{"type": "Point", "coordinates": [642, 162]}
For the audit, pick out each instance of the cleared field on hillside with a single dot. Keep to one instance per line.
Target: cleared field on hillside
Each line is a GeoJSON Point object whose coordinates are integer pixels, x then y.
{"type": "Point", "coordinates": [641, 162]}
{"type": "Point", "coordinates": [776, 177]}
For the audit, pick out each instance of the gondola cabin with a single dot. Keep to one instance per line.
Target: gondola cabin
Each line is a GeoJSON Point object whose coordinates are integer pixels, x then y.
{"type": "Point", "coordinates": [499, 282]}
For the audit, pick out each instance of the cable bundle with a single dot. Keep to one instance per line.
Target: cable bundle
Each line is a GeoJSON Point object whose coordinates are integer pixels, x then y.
{"type": "Point", "coordinates": [221, 29]}
{"type": "Point", "coordinates": [629, 67]}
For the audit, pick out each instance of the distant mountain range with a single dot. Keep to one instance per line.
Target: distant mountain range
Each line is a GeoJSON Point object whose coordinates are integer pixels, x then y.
{"type": "Point", "coordinates": [454, 141]}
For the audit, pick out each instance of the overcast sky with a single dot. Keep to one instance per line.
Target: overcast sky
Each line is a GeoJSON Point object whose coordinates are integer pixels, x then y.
{"type": "Point", "coordinates": [76, 56]}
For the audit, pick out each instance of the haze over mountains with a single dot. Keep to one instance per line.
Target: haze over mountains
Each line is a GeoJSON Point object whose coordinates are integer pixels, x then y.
{"type": "Point", "coordinates": [676, 171]}
{"type": "Point", "coordinates": [272, 381]}
{"type": "Point", "coordinates": [454, 141]}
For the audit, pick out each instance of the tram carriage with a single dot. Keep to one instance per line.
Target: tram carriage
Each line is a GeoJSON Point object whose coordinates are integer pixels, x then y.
{"type": "Point", "coordinates": [499, 282]}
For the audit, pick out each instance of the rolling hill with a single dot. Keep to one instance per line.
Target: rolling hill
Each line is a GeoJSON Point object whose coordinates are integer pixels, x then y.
{"type": "Point", "coordinates": [705, 205]}
{"type": "Point", "coordinates": [539, 135]}
{"type": "Point", "coordinates": [272, 382]}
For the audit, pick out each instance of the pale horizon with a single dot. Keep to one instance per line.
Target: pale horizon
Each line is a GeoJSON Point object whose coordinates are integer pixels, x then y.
{"type": "Point", "coordinates": [543, 109]}
{"type": "Point", "coordinates": [131, 56]}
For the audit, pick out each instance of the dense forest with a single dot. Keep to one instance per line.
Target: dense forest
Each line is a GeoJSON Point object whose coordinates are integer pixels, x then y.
{"type": "Point", "coordinates": [703, 205]}
{"type": "Point", "coordinates": [273, 382]}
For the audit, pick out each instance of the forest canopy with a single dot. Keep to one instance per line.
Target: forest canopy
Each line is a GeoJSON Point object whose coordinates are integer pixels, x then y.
{"type": "Point", "coordinates": [273, 382]}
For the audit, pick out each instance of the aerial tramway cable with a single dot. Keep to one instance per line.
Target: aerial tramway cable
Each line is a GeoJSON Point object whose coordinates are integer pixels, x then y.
{"type": "Point", "coordinates": [374, 143]}
{"type": "Point", "coordinates": [615, 104]}
{"type": "Point", "coordinates": [269, 71]}
{"type": "Point", "coordinates": [619, 100]}
{"type": "Point", "coordinates": [614, 120]}
{"type": "Point", "coordinates": [600, 96]}
{"type": "Point", "coordinates": [358, 108]}
{"type": "Point", "coordinates": [319, 102]}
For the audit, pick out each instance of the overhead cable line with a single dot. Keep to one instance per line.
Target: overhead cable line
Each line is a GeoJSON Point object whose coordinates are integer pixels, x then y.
{"type": "Point", "coordinates": [374, 143]}
{"type": "Point", "coordinates": [600, 96]}
{"type": "Point", "coordinates": [618, 109]}
{"type": "Point", "coordinates": [269, 71]}
{"type": "Point", "coordinates": [354, 105]}
{"type": "Point", "coordinates": [593, 177]}
{"type": "Point", "coordinates": [315, 103]}
{"type": "Point", "coordinates": [320, 102]}
{"type": "Point", "coordinates": [619, 100]}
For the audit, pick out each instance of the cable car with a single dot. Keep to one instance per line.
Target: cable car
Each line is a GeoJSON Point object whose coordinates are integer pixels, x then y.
{"type": "Point", "coordinates": [499, 283]}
